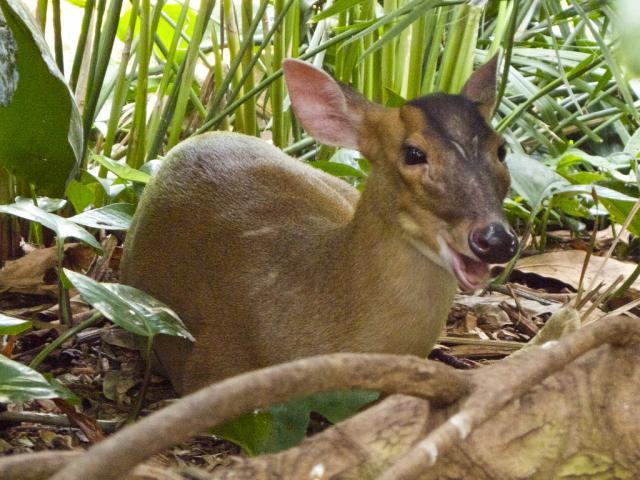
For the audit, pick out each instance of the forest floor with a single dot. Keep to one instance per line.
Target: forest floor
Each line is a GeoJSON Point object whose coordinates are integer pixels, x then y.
{"type": "Point", "coordinates": [103, 368]}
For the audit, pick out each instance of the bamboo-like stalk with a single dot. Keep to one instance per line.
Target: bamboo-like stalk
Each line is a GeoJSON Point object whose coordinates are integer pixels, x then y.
{"type": "Point", "coordinates": [101, 54]}
{"type": "Point", "coordinates": [136, 152]}
{"type": "Point", "coordinates": [439, 19]}
{"type": "Point", "coordinates": [81, 46]}
{"type": "Point", "coordinates": [413, 74]}
{"type": "Point", "coordinates": [388, 54]}
{"type": "Point", "coordinates": [249, 108]}
{"type": "Point", "coordinates": [233, 44]}
{"type": "Point", "coordinates": [57, 34]}
{"type": "Point", "coordinates": [452, 49]}
{"type": "Point", "coordinates": [277, 87]}
{"type": "Point", "coordinates": [121, 85]}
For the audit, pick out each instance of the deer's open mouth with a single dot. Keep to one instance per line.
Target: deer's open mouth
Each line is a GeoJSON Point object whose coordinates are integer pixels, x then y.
{"type": "Point", "coordinates": [470, 273]}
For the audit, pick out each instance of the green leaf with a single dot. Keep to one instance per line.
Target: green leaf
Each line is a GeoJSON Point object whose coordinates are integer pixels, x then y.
{"type": "Point", "coordinates": [116, 216]}
{"type": "Point", "coordinates": [533, 180]}
{"type": "Point", "coordinates": [12, 325]}
{"type": "Point", "coordinates": [122, 170]}
{"type": "Point", "coordinates": [284, 426]}
{"type": "Point", "coordinates": [129, 308]}
{"type": "Point", "coordinates": [19, 383]}
{"type": "Point", "coordinates": [45, 203]}
{"type": "Point", "coordinates": [62, 227]}
{"type": "Point", "coordinates": [338, 169]}
{"type": "Point", "coordinates": [250, 432]}
{"type": "Point", "coordinates": [40, 127]}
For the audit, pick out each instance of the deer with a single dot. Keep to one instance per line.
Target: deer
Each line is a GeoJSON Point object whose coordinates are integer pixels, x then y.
{"type": "Point", "coordinates": [268, 259]}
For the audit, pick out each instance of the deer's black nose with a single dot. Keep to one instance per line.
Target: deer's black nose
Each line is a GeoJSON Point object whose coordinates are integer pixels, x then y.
{"type": "Point", "coordinates": [493, 243]}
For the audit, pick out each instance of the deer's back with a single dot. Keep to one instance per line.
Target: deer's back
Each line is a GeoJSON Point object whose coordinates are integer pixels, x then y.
{"type": "Point", "coordinates": [222, 235]}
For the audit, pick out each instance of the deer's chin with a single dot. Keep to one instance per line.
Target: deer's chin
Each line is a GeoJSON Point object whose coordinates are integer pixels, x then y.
{"type": "Point", "coordinates": [470, 273]}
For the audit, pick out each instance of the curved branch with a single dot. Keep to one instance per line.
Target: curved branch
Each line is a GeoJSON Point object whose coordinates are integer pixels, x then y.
{"type": "Point", "coordinates": [226, 400]}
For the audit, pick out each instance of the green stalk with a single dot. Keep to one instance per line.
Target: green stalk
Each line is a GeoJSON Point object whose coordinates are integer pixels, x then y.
{"type": "Point", "coordinates": [464, 65]}
{"type": "Point", "coordinates": [41, 14]}
{"type": "Point", "coordinates": [100, 58]}
{"type": "Point", "coordinates": [232, 74]}
{"type": "Point", "coordinates": [189, 70]}
{"type": "Point", "coordinates": [63, 338]}
{"type": "Point", "coordinates": [35, 229]}
{"type": "Point", "coordinates": [6, 222]}
{"type": "Point", "coordinates": [57, 35]}
{"type": "Point", "coordinates": [249, 108]}
{"type": "Point", "coordinates": [277, 87]}
{"type": "Point", "coordinates": [269, 80]}
{"type": "Point", "coordinates": [145, 381]}
{"type": "Point", "coordinates": [81, 46]}
{"type": "Point", "coordinates": [402, 71]}
{"type": "Point", "coordinates": [167, 75]}
{"type": "Point", "coordinates": [63, 294]}
{"type": "Point", "coordinates": [233, 44]}
{"type": "Point", "coordinates": [121, 85]}
{"type": "Point", "coordinates": [452, 49]}
{"type": "Point", "coordinates": [440, 21]}
{"type": "Point", "coordinates": [135, 154]}
{"type": "Point", "coordinates": [388, 53]}
{"type": "Point", "coordinates": [416, 55]}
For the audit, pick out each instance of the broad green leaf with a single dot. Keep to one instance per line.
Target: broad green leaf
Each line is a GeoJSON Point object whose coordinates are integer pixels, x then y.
{"type": "Point", "coordinates": [619, 212]}
{"type": "Point", "coordinates": [129, 308]}
{"type": "Point", "coordinates": [40, 129]}
{"type": "Point", "coordinates": [284, 426]}
{"type": "Point", "coordinates": [81, 195]}
{"type": "Point", "coordinates": [122, 170]}
{"type": "Point", "coordinates": [337, 169]}
{"type": "Point", "coordinates": [116, 216]}
{"type": "Point", "coordinates": [12, 325]}
{"type": "Point", "coordinates": [19, 383]}
{"type": "Point", "coordinates": [62, 227]}
{"type": "Point", "coordinates": [45, 203]}
{"type": "Point", "coordinates": [250, 432]}
{"type": "Point", "coordinates": [533, 180]}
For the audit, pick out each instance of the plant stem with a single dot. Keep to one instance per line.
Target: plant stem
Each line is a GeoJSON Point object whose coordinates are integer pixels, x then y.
{"type": "Point", "coordinates": [63, 338]}
{"type": "Point", "coordinates": [145, 381]}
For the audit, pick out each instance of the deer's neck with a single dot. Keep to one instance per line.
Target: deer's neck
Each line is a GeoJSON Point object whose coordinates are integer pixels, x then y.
{"type": "Point", "coordinates": [383, 274]}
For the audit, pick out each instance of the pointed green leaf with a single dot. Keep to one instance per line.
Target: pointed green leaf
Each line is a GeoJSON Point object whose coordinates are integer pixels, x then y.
{"type": "Point", "coordinates": [116, 216]}
{"type": "Point", "coordinates": [19, 383]}
{"type": "Point", "coordinates": [122, 170]}
{"type": "Point", "coordinates": [40, 129]}
{"type": "Point", "coordinates": [129, 308]}
{"type": "Point", "coordinates": [12, 325]}
{"type": "Point", "coordinates": [62, 227]}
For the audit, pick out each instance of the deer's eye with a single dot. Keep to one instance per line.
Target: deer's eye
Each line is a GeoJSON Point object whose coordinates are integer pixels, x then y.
{"type": "Point", "coordinates": [414, 156]}
{"type": "Point", "coordinates": [502, 153]}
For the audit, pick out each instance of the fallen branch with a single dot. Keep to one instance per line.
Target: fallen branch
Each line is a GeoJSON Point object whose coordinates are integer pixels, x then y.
{"type": "Point", "coordinates": [233, 397]}
{"type": "Point", "coordinates": [544, 414]}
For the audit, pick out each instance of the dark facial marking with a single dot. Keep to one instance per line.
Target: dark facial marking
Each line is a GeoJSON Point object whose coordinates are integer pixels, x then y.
{"type": "Point", "coordinates": [470, 177]}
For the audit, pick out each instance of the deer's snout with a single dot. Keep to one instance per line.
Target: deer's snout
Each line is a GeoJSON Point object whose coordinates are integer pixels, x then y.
{"type": "Point", "coordinates": [493, 243]}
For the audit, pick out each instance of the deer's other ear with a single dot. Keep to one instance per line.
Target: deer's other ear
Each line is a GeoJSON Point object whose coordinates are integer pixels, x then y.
{"type": "Point", "coordinates": [327, 111]}
{"type": "Point", "coordinates": [481, 87]}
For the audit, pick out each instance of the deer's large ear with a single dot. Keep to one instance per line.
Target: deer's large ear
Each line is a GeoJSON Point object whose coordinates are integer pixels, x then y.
{"type": "Point", "coordinates": [325, 109]}
{"type": "Point", "coordinates": [481, 87]}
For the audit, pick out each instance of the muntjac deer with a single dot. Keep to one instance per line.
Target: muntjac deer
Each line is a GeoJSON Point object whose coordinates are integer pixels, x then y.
{"type": "Point", "coordinates": [267, 259]}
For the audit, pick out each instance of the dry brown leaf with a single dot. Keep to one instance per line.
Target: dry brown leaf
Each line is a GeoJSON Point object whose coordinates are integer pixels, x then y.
{"type": "Point", "coordinates": [566, 266]}
{"type": "Point", "coordinates": [33, 274]}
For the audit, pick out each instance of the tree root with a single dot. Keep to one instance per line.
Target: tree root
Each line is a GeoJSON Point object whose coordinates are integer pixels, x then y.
{"type": "Point", "coordinates": [561, 409]}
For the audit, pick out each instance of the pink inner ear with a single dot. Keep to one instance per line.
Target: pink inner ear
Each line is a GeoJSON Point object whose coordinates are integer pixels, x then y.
{"type": "Point", "coordinates": [320, 105]}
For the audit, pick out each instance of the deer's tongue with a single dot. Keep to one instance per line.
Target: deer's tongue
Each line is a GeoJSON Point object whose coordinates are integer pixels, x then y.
{"type": "Point", "coordinates": [471, 274]}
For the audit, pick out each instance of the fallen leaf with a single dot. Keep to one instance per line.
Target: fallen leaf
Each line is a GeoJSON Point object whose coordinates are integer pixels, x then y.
{"type": "Point", "coordinates": [565, 266]}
